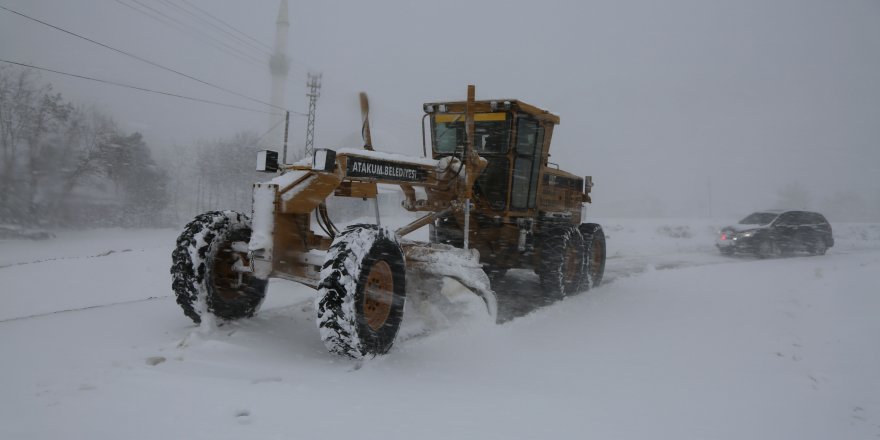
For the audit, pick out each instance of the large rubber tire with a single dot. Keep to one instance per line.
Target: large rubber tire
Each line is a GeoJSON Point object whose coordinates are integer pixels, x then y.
{"type": "Point", "coordinates": [562, 262]}
{"type": "Point", "coordinates": [201, 271]}
{"type": "Point", "coordinates": [362, 292]}
{"type": "Point", "coordinates": [594, 253]}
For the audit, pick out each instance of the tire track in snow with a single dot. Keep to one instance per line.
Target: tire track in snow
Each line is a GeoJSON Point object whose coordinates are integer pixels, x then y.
{"type": "Point", "coordinates": [519, 292]}
{"type": "Point", "coordinates": [103, 254]}
{"type": "Point", "coordinates": [524, 297]}
{"type": "Point", "coordinates": [80, 309]}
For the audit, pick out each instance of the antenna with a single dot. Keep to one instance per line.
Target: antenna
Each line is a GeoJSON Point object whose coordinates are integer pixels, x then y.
{"type": "Point", "coordinates": [314, 85]}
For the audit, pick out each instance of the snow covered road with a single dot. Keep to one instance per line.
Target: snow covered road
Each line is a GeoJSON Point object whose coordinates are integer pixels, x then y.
{"type": "Point", "coordinates": [680, 343]}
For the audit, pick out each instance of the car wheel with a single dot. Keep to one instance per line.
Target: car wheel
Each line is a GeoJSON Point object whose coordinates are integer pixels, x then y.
{"type": "Point", "coordinates": [819, 246]}
{"type": "Point", "coordinates": [768, 249]}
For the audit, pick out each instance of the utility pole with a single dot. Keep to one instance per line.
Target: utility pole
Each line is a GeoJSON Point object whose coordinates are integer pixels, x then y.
{"type": "Point", "coordinates": [314, 85]}
{"type": "Point", "coordinates": [286, 130]}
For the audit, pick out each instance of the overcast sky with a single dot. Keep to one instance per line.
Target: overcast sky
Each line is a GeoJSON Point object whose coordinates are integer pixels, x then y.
{"type": "Point", "coordinates": [667, 104]}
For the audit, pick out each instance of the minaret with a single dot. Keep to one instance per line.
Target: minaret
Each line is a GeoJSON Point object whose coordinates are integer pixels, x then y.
{"type": "Point", "coordinates": [279, 65]}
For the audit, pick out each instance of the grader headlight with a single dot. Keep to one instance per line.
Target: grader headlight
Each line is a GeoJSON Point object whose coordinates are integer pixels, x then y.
{"type": "Point", "coordinates": [324, 160]}
{"type": "Point", "coordinates": [267, 161]}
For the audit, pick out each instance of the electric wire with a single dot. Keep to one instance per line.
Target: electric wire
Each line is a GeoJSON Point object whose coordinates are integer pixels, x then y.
{"type": "Point", "coordinates": [229, 34]}
{"type": "Point", "coordinates": [172, 22]}
{"type": "Point", "coordinates": [210, 39]}
{"type": "Point", "coordinates": [247, 59]}
{"type": "Point", "coordinates": [183, 29]}
{"type": "Point", "coordinates": [259, 139]}
{"type": "Point", "coordinates": [144, 60]}
{"type": "Point", "coordinates": [226, 24]}
{"type": "Point", "coordinates": [223, 32]}
{"type": "Point", "coordinates": [216, 27]}
{"type": "Point", "coordinates": [296, 65]}
{"type": "Point", "coordinates": [143, 89]}
{"type": "Point", "coordinates": [152, 63]}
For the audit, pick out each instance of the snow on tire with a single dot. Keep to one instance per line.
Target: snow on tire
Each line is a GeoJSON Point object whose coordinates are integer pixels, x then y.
{"type": "Point", "coordinates": [562, 262]}
{"type": "Point", "coordinates": [202, 272]}
{"type": "Point", "coordinates": [362, 292]}
{"type": "Point", "coordinates": [594, 254]}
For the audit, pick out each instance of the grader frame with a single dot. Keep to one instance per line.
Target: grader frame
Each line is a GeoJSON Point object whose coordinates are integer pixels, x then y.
{"type": "Point", "coordinates": [489, 194]}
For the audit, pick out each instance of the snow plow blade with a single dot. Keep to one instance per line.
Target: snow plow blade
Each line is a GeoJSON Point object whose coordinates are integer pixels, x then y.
{"type": "Point", "coordinates": [429, 265]}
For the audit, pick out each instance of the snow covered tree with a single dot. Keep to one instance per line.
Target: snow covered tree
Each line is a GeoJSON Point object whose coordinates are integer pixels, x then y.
{"type": "Point", "coordinates": [31, 116]}
{"type": "Point", "coordinates": [140, 184]}
{"type": "Point", "coordinates": [56, 160]}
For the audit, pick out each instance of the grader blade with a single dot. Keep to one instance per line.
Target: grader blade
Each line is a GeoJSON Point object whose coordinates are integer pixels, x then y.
{"type": "Point", "coordinates": [429, 270]}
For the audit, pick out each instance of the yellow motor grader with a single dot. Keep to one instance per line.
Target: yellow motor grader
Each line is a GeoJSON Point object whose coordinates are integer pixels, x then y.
{"type": "Point", "coordinates": [488, 194]}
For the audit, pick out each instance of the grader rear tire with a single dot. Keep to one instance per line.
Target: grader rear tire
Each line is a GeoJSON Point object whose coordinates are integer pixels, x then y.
{"type": "Point", "coordinates": [362, 292]}
{"type": "Point", "coordinates": [202, 276]}
{"type": "Point", "coordinates": [562, 262]}
{"type": "Point", "coordinates": [594, 253]}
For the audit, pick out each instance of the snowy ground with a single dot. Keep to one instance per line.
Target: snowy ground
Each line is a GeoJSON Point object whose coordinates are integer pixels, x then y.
{"type": "Point", "coordinates": [681, 343]}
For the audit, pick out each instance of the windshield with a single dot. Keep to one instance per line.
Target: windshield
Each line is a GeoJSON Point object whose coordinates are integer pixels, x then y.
{"type": "Point", "coordinates": [491, 132]}
{"type": "Point", "coordinates": [758, 218]}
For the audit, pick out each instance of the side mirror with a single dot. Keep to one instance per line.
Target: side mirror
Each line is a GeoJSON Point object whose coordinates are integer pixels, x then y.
{"type": "Point", "coordinates": [267, 161]}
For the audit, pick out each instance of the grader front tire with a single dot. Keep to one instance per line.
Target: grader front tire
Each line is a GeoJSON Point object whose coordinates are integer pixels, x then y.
{"type": "Point", "coordinates": [202, 272]}
{"type": "Point", "coordinates": [362, 292]}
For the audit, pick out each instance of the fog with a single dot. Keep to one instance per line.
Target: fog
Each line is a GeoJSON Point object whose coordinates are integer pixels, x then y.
{"type": "Point", "coordinates": [683, 109]}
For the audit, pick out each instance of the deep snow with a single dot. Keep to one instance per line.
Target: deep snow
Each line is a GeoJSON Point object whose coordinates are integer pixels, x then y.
{"type": "Point", "coordinates": [680, 343]}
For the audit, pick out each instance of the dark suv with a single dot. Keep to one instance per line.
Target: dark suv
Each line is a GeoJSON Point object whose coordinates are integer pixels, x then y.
{"type": "Point", "coordinates": [773, 233]}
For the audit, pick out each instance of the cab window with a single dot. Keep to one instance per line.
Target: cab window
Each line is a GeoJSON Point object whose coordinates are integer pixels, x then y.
{"type": "Point", "coordinates": [529, 140]}
{"type": "Point", "coordinates": [491, 132]}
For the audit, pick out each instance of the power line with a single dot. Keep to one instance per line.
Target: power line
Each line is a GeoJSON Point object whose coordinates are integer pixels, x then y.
{"type": "Point", "coordinates": [217, 28]}
{"type": "Point", "coordinates": [249, 45]}
{"type": "Point", "coordinates": [270, 130]}
{"type": "Point", "coordinates": [143, 59]}
{"type": "Point", "coordinates": [206, 22]}
{"type": "Point", "coordinates": [182, 27]}
{"type": "Point", "coordinates": [208, 14]}
{"type": "Point", "coordinates": [199, 32]}
{"type": "Point", "coordinates": [199, 35]}
{"type": "Point", "coordinates": [226, 24]}
{"type": "Point", "coordinates": [206, 101]}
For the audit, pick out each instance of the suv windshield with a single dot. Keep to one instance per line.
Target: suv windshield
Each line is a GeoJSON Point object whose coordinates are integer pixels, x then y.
{"type": "Point", "coordinates": [491, 132]}
{"type": "Point", "coordinates": [758, 218]}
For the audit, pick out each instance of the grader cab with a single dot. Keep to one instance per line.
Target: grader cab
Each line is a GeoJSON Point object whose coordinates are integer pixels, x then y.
{"type": "Point", "coordinates": [487, 192]}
